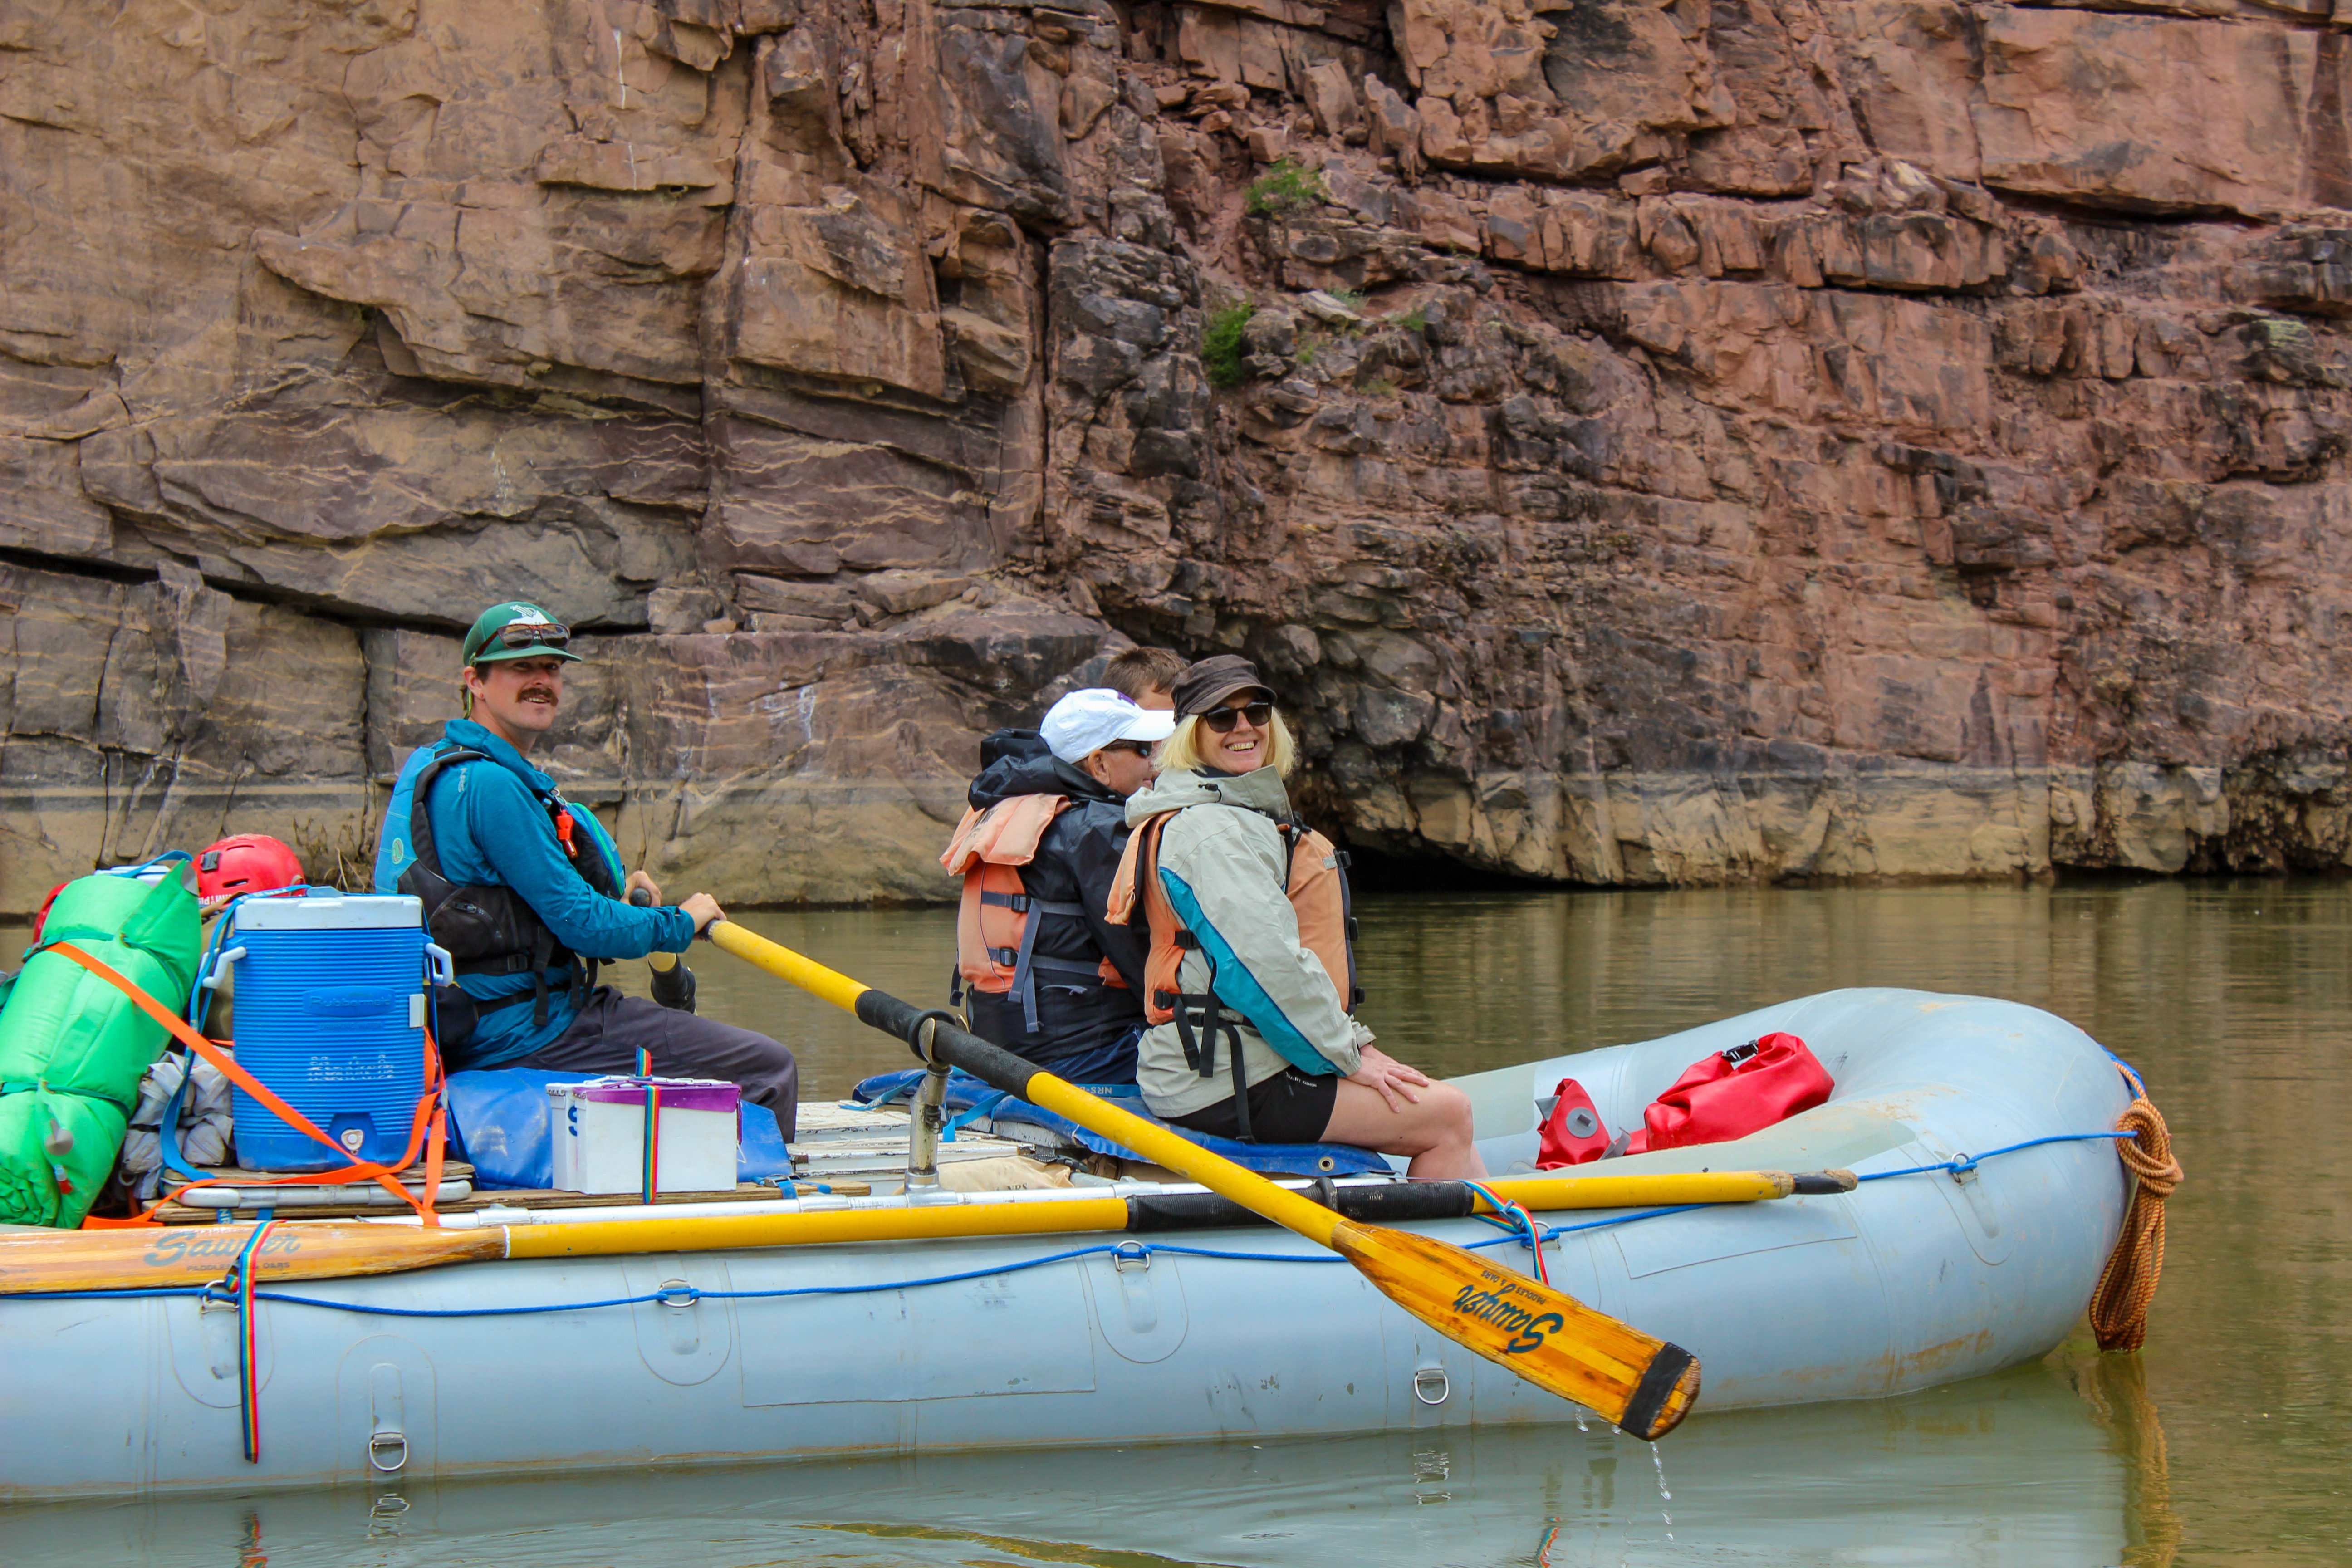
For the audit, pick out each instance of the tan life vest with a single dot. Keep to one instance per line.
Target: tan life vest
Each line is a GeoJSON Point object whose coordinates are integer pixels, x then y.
{"type": "Point", "coordinates": [996, 924]}
{"type": "Point", "coordinates": [1317, 887]}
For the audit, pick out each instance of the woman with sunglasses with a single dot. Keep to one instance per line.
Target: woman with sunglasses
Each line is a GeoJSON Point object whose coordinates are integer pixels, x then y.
{"type": "Point", "coordinates": [1250, 979]}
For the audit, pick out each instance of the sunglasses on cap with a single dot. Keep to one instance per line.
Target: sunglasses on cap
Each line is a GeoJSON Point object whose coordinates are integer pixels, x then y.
{"type": "Point", "coordinates": [533, 634]}
{"type": "Point", "coordinates": [1221, 720]}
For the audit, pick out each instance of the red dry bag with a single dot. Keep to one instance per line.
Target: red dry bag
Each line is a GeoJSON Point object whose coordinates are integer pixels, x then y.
{"type": "Point", "coordinates": [1733, 1093]}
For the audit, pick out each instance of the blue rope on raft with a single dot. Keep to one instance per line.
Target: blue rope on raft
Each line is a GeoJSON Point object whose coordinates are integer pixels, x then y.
{"type": "Point", "coordinates": [1129, 1250]}
{"type": "Point", "coordinates": [1971, 1161]}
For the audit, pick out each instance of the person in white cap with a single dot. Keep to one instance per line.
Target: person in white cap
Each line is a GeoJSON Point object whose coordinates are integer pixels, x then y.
{"type": "Point", "coordinates": [1040, 968]}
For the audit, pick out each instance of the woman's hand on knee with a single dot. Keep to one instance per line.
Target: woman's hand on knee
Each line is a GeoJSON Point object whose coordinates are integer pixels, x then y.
{"type": "Point", "coordinates": [1392, 1080]}
{"type": "Point", "coordinates": [1400, 1071]}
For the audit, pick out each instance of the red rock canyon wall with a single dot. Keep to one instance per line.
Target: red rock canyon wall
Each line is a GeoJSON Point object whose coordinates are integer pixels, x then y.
{"type": "Point", "coordinates": [1673, 442]}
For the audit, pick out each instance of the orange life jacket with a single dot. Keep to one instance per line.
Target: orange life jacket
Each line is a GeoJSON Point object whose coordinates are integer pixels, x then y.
{"type": "Point", "coordinates": [1317, 886]}
{"type": "Point", "coordinates": [996, 925]}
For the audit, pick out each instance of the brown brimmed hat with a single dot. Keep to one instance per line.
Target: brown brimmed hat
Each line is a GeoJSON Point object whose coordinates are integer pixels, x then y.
{"type": "Point", "coordinates": [1209, 681]}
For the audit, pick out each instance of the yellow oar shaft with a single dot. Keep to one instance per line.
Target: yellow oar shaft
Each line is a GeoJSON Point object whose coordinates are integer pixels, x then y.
{"type": "Point", "coordinates": [317, 1249]}
{"type": "Point", "coordinates": [719, 1233]}
{"type": "Point", "coordinates": [1155, 1144]}
{"type": "Point", "coordinates": [811, 976]}
{"type": "Point", "coordinates": [1655, 1189]}
{"type": "Point", "coordinates": [1642, 1384]}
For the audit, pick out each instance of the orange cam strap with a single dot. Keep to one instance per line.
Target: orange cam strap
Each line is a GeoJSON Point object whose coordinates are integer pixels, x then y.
{"type": "Point", "coordinates": [431, 1115]}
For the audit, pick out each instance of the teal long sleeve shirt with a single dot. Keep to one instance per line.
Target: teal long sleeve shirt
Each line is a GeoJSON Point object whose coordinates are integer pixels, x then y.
{"type": "Point", "coordinates": [492, 828]}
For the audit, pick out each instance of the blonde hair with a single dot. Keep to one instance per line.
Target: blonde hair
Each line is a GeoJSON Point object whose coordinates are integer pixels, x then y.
{"type": "Point", "coordinates": [1181, 752]}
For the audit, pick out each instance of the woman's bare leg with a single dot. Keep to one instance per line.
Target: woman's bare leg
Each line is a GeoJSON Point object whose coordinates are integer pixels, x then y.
{"type": "Point", "coordinates": [1436, 1132]}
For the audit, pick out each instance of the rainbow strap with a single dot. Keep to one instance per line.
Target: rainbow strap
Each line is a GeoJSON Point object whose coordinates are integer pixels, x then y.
{"type": "Point", "coordinates": [237, 1286]}
{"type": "Point", "coordinates": [651, 1170]}
{"type": "Point", "coordinates": [1512, 1217]}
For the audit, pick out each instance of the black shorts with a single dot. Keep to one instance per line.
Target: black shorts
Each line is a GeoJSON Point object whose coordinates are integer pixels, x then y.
{"type": "Point", "coordinates": [1291, 1107]}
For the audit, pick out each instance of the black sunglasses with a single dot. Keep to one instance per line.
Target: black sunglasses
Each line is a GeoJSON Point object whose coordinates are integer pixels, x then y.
{"type": "Point", "coordinates": [1221, 720]}
{"type": "Point", "coordinates": [533, 634]}
{"type": "Point", "coordinates": [1140, 747]}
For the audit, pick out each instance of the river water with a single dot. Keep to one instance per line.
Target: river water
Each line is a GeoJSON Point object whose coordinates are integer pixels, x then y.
{"type": "Point", "coordinates": [2224, 1442]}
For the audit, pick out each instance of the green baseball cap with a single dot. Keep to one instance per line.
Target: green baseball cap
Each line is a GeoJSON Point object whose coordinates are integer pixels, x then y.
{"type": "Point", "coordinates": [517, 630]}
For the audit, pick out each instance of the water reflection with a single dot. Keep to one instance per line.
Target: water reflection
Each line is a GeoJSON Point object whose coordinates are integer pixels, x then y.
{"type": "Point", "coordinates": [2009, 1470]}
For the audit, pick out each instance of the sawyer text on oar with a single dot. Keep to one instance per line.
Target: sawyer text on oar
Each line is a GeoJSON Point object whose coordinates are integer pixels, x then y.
{"type": "Point", "coordinates": [175, 1248]}
{"type": "Point", "coordinates": [1530, 1330]}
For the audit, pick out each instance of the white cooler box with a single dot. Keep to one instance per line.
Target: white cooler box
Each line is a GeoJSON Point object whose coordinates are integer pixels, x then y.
{"type": "Point", "coordinates": [597, 1131]}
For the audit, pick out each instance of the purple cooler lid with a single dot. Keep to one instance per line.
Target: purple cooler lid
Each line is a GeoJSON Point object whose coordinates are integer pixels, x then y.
{"type": "Point", "coordinates": [676, 1093]}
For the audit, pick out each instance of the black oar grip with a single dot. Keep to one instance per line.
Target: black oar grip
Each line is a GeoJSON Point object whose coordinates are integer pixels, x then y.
{"type": "Point", "coordinates": [1650, 1395]}
{"type": "Point", "coordinates": [1393, 1203]}
{"type": "Point", "coordinates": [1821, 1183]}
{"type": "Point", "coordinates": [992, 1065]}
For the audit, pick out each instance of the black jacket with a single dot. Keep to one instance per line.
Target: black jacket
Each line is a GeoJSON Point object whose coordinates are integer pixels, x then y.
{"type": "Point", "coordinates": [1076, 860]}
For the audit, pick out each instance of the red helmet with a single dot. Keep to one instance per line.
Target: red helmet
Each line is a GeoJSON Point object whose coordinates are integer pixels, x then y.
{"type": "Point", "coordinates": [41, 915]}
{"type": "Point", "coordinates": [248, 863]}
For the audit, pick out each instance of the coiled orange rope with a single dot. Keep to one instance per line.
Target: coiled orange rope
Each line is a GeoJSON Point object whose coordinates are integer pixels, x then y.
{"type": "Point", "coordinates": [2127, 1284]}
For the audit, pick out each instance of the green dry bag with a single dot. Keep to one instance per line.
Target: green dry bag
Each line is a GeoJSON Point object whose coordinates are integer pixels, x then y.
{"type": "Point", "coordinates": [73, 1047]}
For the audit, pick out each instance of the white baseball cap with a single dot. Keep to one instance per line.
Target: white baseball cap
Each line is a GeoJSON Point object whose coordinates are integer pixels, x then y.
{"type": "Point", "coordinates": [1092, 718]}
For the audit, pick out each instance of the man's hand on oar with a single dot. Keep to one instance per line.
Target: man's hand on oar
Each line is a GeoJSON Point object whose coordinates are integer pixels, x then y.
{"type": "Point", "coordinates": [1552, 1339]}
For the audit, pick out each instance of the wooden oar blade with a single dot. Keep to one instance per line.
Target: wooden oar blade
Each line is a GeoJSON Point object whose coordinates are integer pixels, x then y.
{"type": "Point", "coordinates": [185, 1255]}
{"type": "Point", "coordinates": [1645, 1386]}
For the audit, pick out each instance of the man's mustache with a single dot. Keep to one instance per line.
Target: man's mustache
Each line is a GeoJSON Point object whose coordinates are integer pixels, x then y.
{"type": "Point", "coordinates": [532, 694]}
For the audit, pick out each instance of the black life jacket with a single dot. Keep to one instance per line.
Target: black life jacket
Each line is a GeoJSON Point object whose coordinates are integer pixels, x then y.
{"type": "Point", "coordinates": [490, 929]}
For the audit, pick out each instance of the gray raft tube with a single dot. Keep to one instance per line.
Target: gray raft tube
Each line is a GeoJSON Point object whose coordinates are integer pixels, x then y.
{"type": "Point", "coordinates": [1912, 1281]}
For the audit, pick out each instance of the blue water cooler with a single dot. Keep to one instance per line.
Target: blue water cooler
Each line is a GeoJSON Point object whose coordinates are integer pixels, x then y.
{"type": "Point", "coordinates": [330, 996]}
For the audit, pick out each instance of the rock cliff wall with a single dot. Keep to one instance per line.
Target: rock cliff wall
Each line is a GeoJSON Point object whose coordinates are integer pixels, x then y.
{"type": "Point", "coordinates": [1647, 442]}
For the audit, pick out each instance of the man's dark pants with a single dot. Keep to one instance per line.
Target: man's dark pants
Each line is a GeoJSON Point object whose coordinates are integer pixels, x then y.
{"type": "Point", "coordinates": [612, 1029]}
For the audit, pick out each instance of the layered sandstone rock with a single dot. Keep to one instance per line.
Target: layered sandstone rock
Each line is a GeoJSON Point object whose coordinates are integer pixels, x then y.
{"type": "Point", "coordinates": [1688, 441]}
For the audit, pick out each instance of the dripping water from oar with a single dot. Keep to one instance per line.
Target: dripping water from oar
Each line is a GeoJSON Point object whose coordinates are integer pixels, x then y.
{"type": "Point", "coordinates": [1665, 1497]}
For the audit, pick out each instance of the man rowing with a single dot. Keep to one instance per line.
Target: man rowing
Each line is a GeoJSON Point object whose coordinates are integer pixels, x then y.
{"type": "Point", "coordinates": [525, 891]}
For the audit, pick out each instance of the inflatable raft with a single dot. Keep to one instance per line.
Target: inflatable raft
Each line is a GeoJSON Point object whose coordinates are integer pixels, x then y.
{"type": "Point", "coordinates": [1990, 1195]}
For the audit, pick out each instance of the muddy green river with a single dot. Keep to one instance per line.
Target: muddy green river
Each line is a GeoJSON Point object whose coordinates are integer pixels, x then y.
{"type": "Point", "coordinates": [2224, 1442]}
